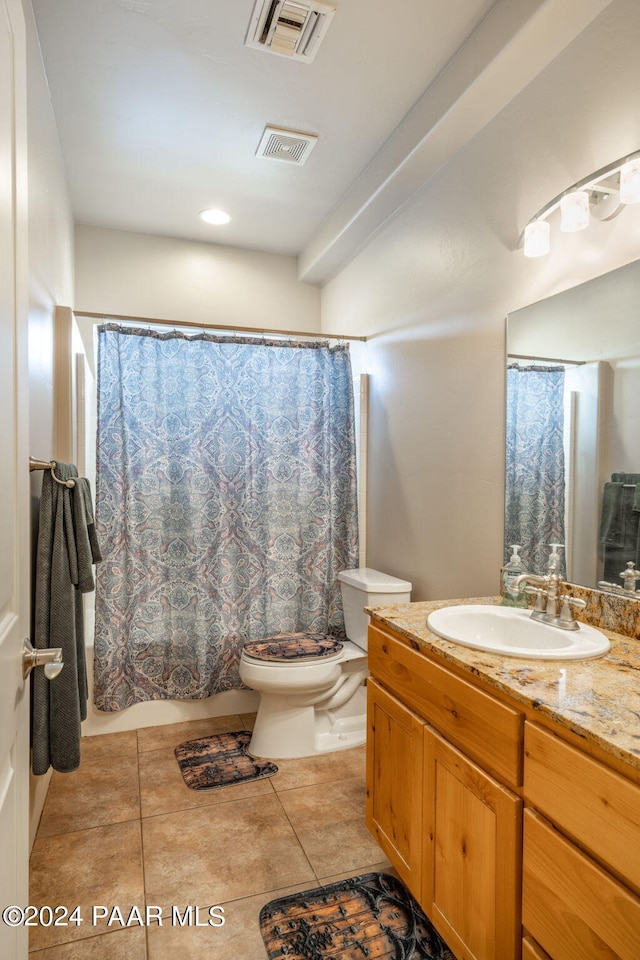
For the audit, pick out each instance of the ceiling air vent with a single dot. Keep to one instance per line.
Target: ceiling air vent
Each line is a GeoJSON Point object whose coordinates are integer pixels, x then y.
{"type": "Point", "coordinates": [290, 28]}
{"type": "Point", "coordinates": [287, 145]}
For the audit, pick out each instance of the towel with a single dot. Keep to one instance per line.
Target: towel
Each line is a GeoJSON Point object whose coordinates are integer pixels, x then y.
{"type": "Point", "coordinates": [67, 548]}
{"type": "Point", "coordinates": [630, 478]}
{"type": "Point", "coordinates": [620, 525]}
{"type": "Point", "coordinates": [612, 523]}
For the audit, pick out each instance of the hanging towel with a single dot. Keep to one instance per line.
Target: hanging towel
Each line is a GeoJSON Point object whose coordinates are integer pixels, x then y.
{"type": "Point", "coordinates": [612, 521]}
{"type": "Point", "coordinates": [619, 527]}
{"type": "Point", "coordinates": [67, 548]}
{"type": "Point", "coordinates": [630, 478]}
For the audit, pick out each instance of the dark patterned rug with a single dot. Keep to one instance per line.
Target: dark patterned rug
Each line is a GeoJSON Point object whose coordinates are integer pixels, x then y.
{"type": "Point", "coordinates": [368, 916]}
{"type": "Point", "coordinates": [220, 760]}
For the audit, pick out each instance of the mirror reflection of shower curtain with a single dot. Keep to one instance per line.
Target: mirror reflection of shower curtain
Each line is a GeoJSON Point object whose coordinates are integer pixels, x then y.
{"type": "Point", "coordinates": [535, 469]}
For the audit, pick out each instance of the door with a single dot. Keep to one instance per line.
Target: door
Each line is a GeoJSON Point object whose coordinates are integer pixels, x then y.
{"type": "Point", "coordinates": [471, 880]}
{"type": "Point", "coordinates": [14, 481]}
{"type": "Point", "coordinates": [394, 782]}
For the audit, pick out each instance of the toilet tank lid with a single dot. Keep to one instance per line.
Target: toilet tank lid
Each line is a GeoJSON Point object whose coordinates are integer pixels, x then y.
{"type": "Point", "coordinates": [372, 581]}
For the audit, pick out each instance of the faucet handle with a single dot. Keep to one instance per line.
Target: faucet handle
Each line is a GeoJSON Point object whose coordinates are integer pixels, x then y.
{"type": "Point", "coordinates": [540, 593]}
{"type": "Point", "coordinates": [630, 575]}
{"type": "Point", "coordinates": [566, 613]}
{"type": "Point", "coordinates": [576, 602]}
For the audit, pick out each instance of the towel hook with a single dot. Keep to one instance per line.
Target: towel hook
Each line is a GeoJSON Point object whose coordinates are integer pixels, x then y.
{"type": "Point", "coordinates": [50, 659]}
{"type": "Point", "coordinates": [49, 465]}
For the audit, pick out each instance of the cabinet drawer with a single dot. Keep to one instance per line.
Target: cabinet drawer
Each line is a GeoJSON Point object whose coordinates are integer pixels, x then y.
{"type": "Point", "coordinates": [571, 906]}
{"type": "Point", "coordinates": [485, 729]}
{"type": "Point", "coordinates": [595, 806]}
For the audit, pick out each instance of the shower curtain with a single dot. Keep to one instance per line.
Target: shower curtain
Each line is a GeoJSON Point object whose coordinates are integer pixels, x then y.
{"type": "Point", "coordinates": [535, 474]}
{"type": "Point", "coordinates": [226, 504]}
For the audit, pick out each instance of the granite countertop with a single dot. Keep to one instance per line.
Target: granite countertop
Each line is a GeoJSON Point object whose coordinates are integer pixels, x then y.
{"type": "Point", "coordinates": [597, 699]}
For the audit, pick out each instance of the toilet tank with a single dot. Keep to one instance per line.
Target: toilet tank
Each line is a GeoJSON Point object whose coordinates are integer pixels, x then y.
{"type": "Point", "coordinates": [365, 587]}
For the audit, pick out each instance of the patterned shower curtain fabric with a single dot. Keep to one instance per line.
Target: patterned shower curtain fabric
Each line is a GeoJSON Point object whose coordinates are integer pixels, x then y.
{"type": "Point", "coordinates": [226, 505]}
{"type": "Point", "coordinates": [535, 470]}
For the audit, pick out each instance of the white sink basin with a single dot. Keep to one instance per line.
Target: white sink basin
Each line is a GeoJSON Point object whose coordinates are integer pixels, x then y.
{"type": "Point", "coordinates": [512, 632]}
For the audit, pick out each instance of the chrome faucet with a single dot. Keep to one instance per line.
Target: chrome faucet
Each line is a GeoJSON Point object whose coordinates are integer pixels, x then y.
{"type": "Point", "coordinates": [629, 576]}
{"type": "Point", "coordinates": [551, 606]}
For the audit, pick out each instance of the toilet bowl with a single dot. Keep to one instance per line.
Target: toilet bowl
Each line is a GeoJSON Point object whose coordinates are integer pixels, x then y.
{"type": "Point", "coordinates": [312, 688]}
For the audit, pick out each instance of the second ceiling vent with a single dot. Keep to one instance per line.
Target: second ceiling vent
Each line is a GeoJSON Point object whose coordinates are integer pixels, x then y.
{"type": "Point", "coordinates": [288, 145]}
{"type": "Point", "coordinates": [290, 28]}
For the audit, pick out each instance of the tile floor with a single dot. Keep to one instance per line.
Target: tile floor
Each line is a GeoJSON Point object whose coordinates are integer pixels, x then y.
{"type": "Point", "coordinates": [124, 830]}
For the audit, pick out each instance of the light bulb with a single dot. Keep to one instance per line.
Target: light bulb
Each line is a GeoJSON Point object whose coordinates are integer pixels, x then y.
{"type": "Point", "coordinates": [630, 181]}
{"type": "Point", "coordinates": [574, 209]}
{"type": "Point", "coordinates": [537, 238]}
{"type": "Point", "coordinates": [217, 217]}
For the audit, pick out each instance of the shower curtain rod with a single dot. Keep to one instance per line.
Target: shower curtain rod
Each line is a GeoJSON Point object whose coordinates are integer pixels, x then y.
{"type": "Point", "coordinates": [522, 356]}
{"type": "Point", "coordinates": [204, 326]}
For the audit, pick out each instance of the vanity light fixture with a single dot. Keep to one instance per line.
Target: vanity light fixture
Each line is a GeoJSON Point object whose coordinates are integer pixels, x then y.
{"type": "Point", "coordinates": [630, 182]}
{"type": "Point", "coordinates": [216, 217]}
{"type": "Point", "coordinates": [574, 211]}
{"type": "Point", "coordinates": [600, 196]}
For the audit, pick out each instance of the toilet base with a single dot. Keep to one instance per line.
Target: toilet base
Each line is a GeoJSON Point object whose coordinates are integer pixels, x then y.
{"type": "Point", "coordinates": [285, 730]}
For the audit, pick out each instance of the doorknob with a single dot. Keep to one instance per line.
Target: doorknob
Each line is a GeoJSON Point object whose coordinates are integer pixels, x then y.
{"type": "Point", "coordinates": [50, 659]}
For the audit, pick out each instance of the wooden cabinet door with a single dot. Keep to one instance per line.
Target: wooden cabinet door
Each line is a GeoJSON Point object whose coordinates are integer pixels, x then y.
{"type": "Point", "coordinates": [471, 884]}
{"type": "Point", "coordinates": [394, 782]}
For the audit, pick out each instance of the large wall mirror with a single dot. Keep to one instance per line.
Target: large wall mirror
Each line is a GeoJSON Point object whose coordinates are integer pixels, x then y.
{"type": "Point", "coordinates": [573, 431]}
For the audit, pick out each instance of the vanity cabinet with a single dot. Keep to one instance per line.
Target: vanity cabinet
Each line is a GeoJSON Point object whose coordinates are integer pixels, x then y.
{"type": "Point", "coordinates": [516, 840]}
{"type": "Point", "coordinates": [450, 828]}
{"type": "Point", "coordinates": [581, 853]}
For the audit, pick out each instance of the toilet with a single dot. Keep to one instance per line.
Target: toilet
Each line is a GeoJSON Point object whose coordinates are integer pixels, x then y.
{"type": "Point", "coordinates": [312, 687]}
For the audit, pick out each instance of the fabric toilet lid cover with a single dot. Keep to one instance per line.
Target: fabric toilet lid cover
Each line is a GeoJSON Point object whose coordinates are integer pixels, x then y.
{"type": "Point", "coordinates": [285, 647]}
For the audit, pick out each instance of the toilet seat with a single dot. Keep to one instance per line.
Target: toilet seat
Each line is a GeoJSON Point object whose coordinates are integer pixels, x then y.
{"type": "Point", "coordinates": [294, 649]}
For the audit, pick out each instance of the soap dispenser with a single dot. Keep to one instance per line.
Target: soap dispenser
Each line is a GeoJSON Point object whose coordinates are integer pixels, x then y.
{"type": "Point", "coordinates": [512, 597]}
{"type": "Point", "coordinates": [554, 557]}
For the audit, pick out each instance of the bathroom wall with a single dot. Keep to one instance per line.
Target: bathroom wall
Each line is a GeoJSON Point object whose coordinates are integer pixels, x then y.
{"type": "Point", "coordinates": [50, 283]}
{"type": "Point", "coordinates": [162, 277]}
{"type": "Point", "coordinates": [434, 285]}
{"type": "Point", "coordinates": [202, 283]}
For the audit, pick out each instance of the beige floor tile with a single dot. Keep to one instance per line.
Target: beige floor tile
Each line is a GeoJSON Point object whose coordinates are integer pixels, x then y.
{"type": "Point", "coordinates": [108, 745]}
{"type": "Point", "coordinates": [129, 944]}
{"type": "Point", "coordinates": [322, 769]}
{"type": "Point", "coordinates": [238, 939]}
{"type": "Point", "coordinates": [329, 824]}
{"type": "Point", "coordinates": [221, 852]}
{"type": "Point", "coordinates": [90, 867]}
{"type": "Point", "coordinates": [163, 790]}
{"type": "Point", "coordinates": [310, 807]}
{"type": "Point", "coordinates": [344, 847]}
{"type": "Point", "coordinates": [171, 734]}
{"type": "Point", "coordinates": [100, 792]}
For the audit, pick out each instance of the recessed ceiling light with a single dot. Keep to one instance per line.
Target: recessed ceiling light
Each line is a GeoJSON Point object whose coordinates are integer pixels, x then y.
{"type": "Point", "coordinates": [217, 217]}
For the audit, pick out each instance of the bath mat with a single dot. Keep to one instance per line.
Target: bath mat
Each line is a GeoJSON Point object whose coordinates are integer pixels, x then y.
{"type": "Point", "coordinates": [372, 915]}
{"type": "Point", "coordinates": [294, 646]}
{"type": "Point", "coordinates": [220, 760]}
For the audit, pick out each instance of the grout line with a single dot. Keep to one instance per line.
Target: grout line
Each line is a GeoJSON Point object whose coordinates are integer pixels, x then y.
{"type": "Point", "coordinates": [93, 826]}
{"type": "Point", "coordinates": [45, 951]}
{"type": "Point", "coordinates": [142, 863]}
{"type": "Point", "coordinates": [295, 833]}
{"type": "Point", "coordinates": [207, 806]}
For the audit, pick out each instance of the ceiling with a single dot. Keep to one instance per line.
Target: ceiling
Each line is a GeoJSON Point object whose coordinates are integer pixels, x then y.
{"type": "Point", "coordinates": [160, 108]}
